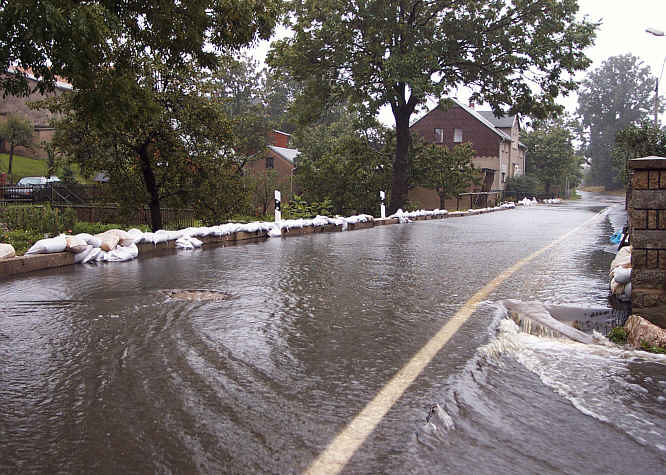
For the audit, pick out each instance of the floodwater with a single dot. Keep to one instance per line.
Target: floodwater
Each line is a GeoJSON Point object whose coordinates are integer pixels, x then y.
{"type": "Point", "coordinates": [103, 370]}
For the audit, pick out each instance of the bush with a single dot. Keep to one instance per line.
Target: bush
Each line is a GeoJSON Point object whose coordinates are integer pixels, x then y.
{"type": "Point", "coordinates": [618, 335]}
{"type": "Point", "coordinates": [299, 208]}
{"type": "Point", "coordinates": [39, 219]}
{"type": "Point", "coordinates": [21, 240]}
{"type": "Point", "coordinates": [524, 184]}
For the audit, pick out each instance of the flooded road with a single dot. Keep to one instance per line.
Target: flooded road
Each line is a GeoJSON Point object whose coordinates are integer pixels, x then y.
{"type": "Point", "coordinates": [103, 370]}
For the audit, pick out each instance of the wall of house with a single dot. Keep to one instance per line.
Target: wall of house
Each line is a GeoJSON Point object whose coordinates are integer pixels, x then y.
{"type": "Point", "coordinates": [283, 168]}
{"type": "Point", "coordinates": [484, 141]}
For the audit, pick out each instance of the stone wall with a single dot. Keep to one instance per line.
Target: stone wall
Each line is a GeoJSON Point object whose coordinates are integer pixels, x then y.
{"type": "Point", "coordinates": [647, 213]}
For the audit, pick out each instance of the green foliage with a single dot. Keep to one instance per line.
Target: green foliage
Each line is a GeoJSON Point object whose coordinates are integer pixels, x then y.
{"type": "Point", "coordinates": [401, 53]}
{"type": "Point", "coordinates": [16, 132]}
{"type": "Point", "coordinates": [38, 219]}
{"type": "Point", "coordinates": [297, 208]}
{"type": "Point", "coordinates": [448, 171]}
{"type": "Point", "coordinates": [653, 349]}
{"type": "Point", "coordinates": [343, 162]}
{"type": "Point", "coordinates": [618, 335]}
{"type": "Point", "coordinates": [96, 228]}
{"type": "Point", "coordinates": [524, 184]}
{"type": "Point", "coordinates": [77, 40]}
{"type": "Point", "coordinates": [23, 166]}
{"type": "Point", "coordinates": [551, 156]}
{"type": "Point", "coordinates": [20, 239]}
{"type": "Point", "coordinates": [614, 96]}
{"type": "Point", "coordinates": [220, 193]}
{"type": "Point", "coordinates": [637, 141]}
{"type": "Point", "coordinates": [261, 187]}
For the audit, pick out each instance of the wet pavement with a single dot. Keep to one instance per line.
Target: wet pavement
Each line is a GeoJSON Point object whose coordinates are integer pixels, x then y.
{"type": "Point", "coordinates": [104, 369]}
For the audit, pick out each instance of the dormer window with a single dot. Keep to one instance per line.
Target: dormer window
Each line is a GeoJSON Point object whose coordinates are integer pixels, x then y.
{"type": "Point", "coordinates": [439, 135]}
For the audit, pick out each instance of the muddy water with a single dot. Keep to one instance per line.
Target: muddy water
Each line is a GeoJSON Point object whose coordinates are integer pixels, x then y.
{"type": "Point", "coordinates": [103, 369]}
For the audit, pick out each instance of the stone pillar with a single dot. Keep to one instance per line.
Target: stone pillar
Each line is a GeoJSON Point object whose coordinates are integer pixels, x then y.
{"type": "Point", "coordinates": [647, 219]}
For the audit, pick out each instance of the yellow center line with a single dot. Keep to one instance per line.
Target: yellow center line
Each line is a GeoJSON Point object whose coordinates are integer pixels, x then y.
{"type": "Point", "coordinates": [334, 458]}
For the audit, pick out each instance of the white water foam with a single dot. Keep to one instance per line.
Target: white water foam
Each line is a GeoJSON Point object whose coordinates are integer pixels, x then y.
{"type": "Point", "coordinates": [601, 380]}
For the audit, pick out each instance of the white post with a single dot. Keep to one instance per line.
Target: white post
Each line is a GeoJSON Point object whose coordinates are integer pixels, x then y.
{"type": "Point", "coordinates": [278, 213]}
{"type": "Point", "coordinates": [382, 196]}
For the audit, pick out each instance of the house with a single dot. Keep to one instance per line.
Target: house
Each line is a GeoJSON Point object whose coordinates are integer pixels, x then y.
{"type": "Point", "coordinates": [495, 140]}
{"type": "Point", "coordinates": [40, 118]}
{"type": "Point", "coordinates": [278, 157]}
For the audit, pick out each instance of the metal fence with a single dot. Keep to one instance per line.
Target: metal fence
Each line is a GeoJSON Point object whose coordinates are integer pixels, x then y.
{"type": "Point", "coordinates": [54, 193]}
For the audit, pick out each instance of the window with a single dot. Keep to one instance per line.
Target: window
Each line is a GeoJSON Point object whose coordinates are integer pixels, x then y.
{"type": "Point", "coordinates": [439, 135]}
{"type": "Point", "coordinates": [503, 177]}
{"type": "Point", "coordinates": [270, 162]}
{"type": "Point", "coordinates": [457, 135]}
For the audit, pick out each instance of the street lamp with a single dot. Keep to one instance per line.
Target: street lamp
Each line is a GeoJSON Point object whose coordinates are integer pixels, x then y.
{"type": "Point", "coordinates": [655, 32]}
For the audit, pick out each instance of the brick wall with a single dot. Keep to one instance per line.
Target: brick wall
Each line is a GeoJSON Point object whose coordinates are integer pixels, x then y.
{"type": "Point", "coordinates": [647, 214]}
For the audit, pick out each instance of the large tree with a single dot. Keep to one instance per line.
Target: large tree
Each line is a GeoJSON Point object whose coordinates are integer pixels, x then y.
{"type": "Point", "coordinates": [17, 132]}
{"type": "Point", "coordinates": [615, 95]}
{"type": "Point", "coordinates": [551, 156]}
{"type": "Point", "coordinates": [520, 54]}
{"type": "Point", "coordinates": [75, 39]}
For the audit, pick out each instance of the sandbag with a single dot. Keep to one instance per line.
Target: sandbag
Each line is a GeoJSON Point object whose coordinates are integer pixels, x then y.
{"type": "Point", "coordinates": [136, 235]}
{"type": "Point", "coordinates": [7, 251]}
{"type": "Point", "coordinates": [79, 258]}
{"type": "Point", "coordinates": [91, 255]}
{"type": "Point", "coordinates": [124, 239]}
{"type": "Point", "coordinates": [622, 275]}
{"type": "Point", "coordinates": [49, 246]}
{"type": "Point", "coordinates": [108, 240]}
{"type": "Point", "coordinates": [90, 239]}
{"type": "Point", "coordinates": [122, 253]}
{"type": "Point", "coordinates": [75, 244]}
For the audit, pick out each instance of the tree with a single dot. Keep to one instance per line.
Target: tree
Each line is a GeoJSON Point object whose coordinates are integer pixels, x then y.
{"type": "Point", "coordinates": [342, 164]}
{"type": "Point", "coordinates": [448, 171]}
{"type": "Point", "coordinates": [613, 96]}
{"type": "Point", "coordinates": [75, 39]}
{"type": "Point", "coordinates": [161, 138]}
{"type": "Point", "coordinates": [550, 154]}
{"type": "Point", "coordinates": [17, 132]}
{"type": "Point", "coordinates": [636, 141]}
{"type": "Point", "coordinates": [400, 52]}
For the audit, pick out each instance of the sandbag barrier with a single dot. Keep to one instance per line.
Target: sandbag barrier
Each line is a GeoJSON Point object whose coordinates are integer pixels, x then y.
{"type": "Point", "coordinates": [126, 245]}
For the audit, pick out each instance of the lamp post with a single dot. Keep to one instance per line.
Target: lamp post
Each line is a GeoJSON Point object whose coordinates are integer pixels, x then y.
{"type": "Point", "coordinates": [655, 32]}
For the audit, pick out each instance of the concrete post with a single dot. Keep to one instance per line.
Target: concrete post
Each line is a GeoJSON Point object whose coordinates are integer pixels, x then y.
{"type": "Point", "coordinates": [647, 219]}
{"type": "Point", "coordinates": [382, 196]}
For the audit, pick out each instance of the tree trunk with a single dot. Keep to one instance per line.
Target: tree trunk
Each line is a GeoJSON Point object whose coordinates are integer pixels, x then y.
{"type": "Point", "coordinates": [151, 187]}
{"type": "Point", "coordinates": [11, 159]}
{"type": "Point", "coordinates": [442, 200]}
{"type": "Point", "coordinates": [400, 183]}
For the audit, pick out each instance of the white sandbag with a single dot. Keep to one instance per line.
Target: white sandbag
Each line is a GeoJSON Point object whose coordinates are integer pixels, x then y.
{"type": "Point", "coordinates": [7, 251]}
{"type": "Point", "coordinates": [124, 239]}
{"type": "Point", "coordinates": [136, 235]}
{"type": "Point", "coordinates": [108, 240]}
{"type": "Point", "coordinates": [49, 246]}
{"type": "Point", "coordinates": [122, 253]}
{"type": "Point", "coordinates": [81, 256]}
{"type": "Point", "coordinates": [616, 287]}
{"type": "Point", "coordinates": [622, 274]}
{"type": "Point", "coordinates": [75, 244]}
{"type": "Point", "coordinates": [89, 239]}
{"type": "Point", "coordinates": [188, 242]}
{"type": "Point", "coordinates": [275, 231]}
{"type": "Point", "coordinates": [623, 258]}
{"type": "Point", "coordinates": [92, 255]}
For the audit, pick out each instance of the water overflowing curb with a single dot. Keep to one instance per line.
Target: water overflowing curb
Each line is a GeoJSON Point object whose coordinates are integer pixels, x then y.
{"type": "Point", "coordinates": [34, 262]}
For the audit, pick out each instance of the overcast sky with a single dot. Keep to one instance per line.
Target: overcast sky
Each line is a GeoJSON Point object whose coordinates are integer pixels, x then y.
{"type": "Point", "coordinates": [622, 31]}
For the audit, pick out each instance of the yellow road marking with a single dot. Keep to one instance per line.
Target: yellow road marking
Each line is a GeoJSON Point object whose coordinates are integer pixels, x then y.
{"type": "Point", "coordinates": [334, 458]}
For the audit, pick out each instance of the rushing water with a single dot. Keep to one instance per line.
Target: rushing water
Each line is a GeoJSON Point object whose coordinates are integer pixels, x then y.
{"type": "Point", "coordinates": [103, 369]}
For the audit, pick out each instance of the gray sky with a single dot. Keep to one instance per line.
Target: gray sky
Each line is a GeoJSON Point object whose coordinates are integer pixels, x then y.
{"type": "Point", "coordinates": [622, 31]}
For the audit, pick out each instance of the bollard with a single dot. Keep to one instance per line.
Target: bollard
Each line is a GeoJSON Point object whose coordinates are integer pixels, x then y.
{"type": "Point", "coordinates": [382, 197]}
{"type": "Point", "coordinates": [278, 213]}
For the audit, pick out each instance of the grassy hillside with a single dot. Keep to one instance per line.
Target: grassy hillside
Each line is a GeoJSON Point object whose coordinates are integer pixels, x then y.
{"type": "Point", "coordinates": [22, 166]}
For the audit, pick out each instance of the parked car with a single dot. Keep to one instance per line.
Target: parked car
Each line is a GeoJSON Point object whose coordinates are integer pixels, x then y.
{"type": "Point", "coordinates": [27, 185]}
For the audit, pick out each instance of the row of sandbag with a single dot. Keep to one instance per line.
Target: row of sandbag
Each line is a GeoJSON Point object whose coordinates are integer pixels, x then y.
{"type": "Point", "coordinates": [110, 246]}
{"type": "Point", "coordinates": [404, 216]}
{"type": "Point", "coordinates": [620, 274]}
{"type": "Point", "coordinates": [528, 202]}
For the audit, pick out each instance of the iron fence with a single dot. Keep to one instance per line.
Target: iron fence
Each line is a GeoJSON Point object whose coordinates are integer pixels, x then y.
{"type": "Point", "coordinates": [54, 193]}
